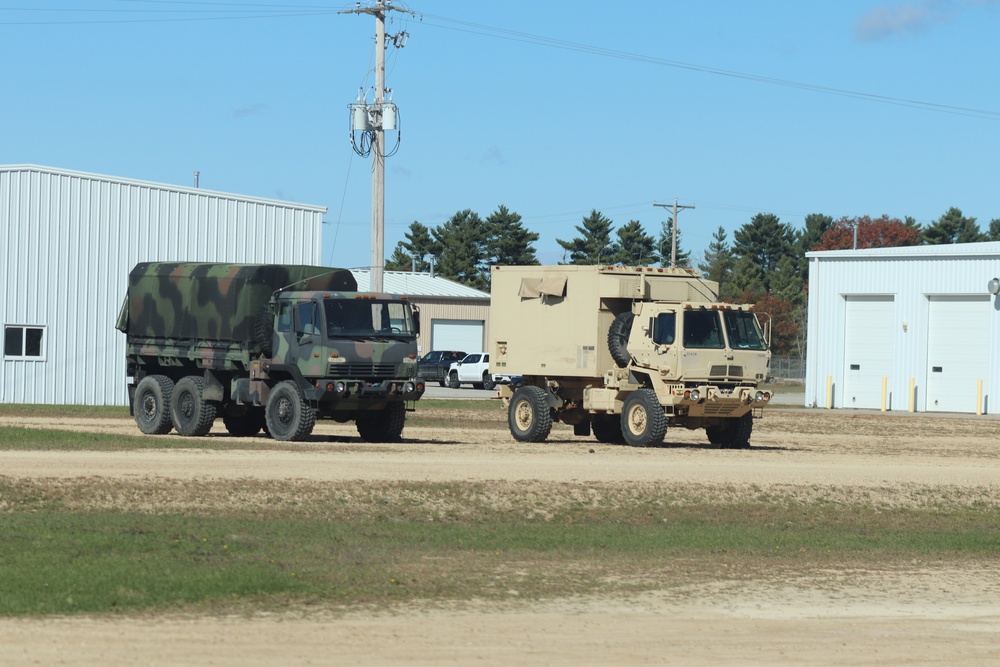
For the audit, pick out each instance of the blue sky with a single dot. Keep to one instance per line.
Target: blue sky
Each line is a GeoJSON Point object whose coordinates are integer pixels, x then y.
{"type": "Point", "coordinates": [857, 107]}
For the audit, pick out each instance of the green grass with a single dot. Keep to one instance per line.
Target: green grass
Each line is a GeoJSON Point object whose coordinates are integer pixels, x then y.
{"type": "Point", "coordinates": [35, 439]}
{"type": "Point", "coordinates": [61, 552]}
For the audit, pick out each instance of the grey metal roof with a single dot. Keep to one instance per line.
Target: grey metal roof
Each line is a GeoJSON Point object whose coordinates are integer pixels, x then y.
{"type": "Point", "coordinates": [104, 178]}
{"type": "Point", "coordinates": [947, 249]}
{"type": "Point", "coordinates": [417, 284]}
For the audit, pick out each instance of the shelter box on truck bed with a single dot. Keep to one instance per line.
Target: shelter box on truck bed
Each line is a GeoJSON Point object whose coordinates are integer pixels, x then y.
{"type": "Point", "coordinates": [554, 320]}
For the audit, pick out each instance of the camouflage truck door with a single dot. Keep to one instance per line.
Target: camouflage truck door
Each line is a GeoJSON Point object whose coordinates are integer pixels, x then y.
{"type": "Point", "coordinates": [305, 341]}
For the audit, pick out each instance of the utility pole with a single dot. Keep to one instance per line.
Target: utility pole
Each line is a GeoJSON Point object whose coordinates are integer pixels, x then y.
{"type": "Point", "coordinates": [673, 239]}
{"type": "Point", "coordinates": [378, 117]}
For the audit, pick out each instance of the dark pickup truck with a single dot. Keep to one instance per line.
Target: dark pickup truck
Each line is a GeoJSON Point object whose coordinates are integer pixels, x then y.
{"type": "Point", "coordinates": [433, 366]}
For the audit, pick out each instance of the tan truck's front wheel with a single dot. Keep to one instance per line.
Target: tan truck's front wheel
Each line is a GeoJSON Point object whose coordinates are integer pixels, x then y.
{"type": "Point", "coordinates": [643, 421]}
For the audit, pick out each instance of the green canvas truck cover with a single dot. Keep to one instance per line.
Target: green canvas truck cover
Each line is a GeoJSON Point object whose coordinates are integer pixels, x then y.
{"type": "Point", "coordinates": [219, 302]}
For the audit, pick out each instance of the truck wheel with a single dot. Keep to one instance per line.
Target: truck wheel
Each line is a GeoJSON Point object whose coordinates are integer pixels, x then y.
{"type": "Point", "coordinates": [152, 404]}
{"type": "Point", "coordinates": [263, 329]}
{"type": "Point", "coordinates": [738, 435]}
{"type": "Point", "coordinates": [385, 425]}
{"type": "Point", "coordinates": [716, 434]}
{"type": "Point", "coordinates": [243, 421]}
{"type": "Point", "coordinates": [189, 411]}
{"type": "Point", "coordinates": [618, 335]}
{"type": "Point", "coordinates": [643, 421]}
{"type": "Point", "coordinates": [529, 416]}
{"type": "Point", "coordinates": [607, 429]}
{"type": "Point", "coordinates": [453, 381]}
{"type": "Point", "coordinates": [287, 416]}
{"type": "Point", "coordinates": [488, 382]}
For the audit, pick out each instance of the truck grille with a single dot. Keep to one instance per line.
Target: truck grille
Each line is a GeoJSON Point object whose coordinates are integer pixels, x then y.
{"type": "Point", "coordinates": [722, 371]}
{"type": "Point", "coordinates": [720, 409]}
{"type": "Point", "coordinates": [366, 370]}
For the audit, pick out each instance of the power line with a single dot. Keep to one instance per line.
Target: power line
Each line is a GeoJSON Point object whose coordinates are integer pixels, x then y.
{"type": "Point", "coordinates": [513, 35]}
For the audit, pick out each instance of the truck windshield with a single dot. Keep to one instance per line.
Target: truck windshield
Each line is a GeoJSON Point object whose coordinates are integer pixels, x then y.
{"type": "Point", "coordinates": [702, 329]}
{"type": "Point", "coordinates": [367, 317]}
{"type": "Point", "coordinates": [743, 331]}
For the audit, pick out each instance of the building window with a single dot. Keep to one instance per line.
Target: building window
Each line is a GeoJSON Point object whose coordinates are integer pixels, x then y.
{"type": "Point", "coordinates": [23, 342]}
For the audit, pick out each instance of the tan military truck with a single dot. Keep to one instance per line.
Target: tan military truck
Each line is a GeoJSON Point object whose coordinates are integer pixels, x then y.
{"type": "Point", "coordinates": [625, 352]}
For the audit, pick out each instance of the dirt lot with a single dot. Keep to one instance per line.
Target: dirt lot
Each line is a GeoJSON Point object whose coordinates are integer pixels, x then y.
{"type": "Point", "coordinates": [924, 614]}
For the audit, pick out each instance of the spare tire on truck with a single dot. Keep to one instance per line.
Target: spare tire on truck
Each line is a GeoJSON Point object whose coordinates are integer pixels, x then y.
{"type": "Point", "coordinates": [618, 334]}
{"type": "Point", "coordinates": [263, 329]}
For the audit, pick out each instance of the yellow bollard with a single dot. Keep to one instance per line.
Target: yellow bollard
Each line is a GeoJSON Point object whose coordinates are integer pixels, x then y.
{"type": "Point", "coordinates": [979, 397]}
{"type": "Point", "coordinates": [885, 386]}
{"type": "Point", "coordinates": [829, 392]}
{"type": "Point", "coordinates": [913, 407]}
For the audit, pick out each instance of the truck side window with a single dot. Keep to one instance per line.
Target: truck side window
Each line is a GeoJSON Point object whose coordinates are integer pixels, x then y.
{"type": "Point", "coordinates": [285, 317]}
{"type": "Point", "coordinates": [305, 318]}
{"type": "Point", "coordinates": [665, 328]}
{"type": "Point", "coordinates": [702, 329]}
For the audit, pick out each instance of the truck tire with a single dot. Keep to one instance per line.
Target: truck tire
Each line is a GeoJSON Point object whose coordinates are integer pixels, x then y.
{"type": "Point", "coordinates": [152, 404]}
{"type": "Point", "coordinates": [488, 382]}
{"type": "Point", "coordinates": [607, 429]}
{"type": "Point", "coordinates": [288, 416]}
{"type": "Point", "coordinates": [191, 414]}
{"type": "Point", "coordinates": [243, 421]}
{"type": "Point", "coordinates": [643, 421]}
{"type": "Point", "coordinates": [385, 425]}
{"type": "Point", "coordinates": [739, 432]}
{"type": "Point", "coordinates": [529, 416]}
{"type": "Point", "coordinates": [453, 382]}
{"type": "Point", "coordinates": [618, 334]}
{"type": "Point", "coordinates": [263, 330]}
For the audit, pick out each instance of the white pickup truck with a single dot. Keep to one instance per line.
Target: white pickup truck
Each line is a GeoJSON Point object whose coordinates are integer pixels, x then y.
{"type": "Point", "coordinates": [474, 369]}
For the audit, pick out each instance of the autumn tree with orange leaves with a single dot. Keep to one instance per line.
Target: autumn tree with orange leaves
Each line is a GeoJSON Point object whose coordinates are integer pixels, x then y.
{"type": "Point", "coordinates": [883, 232]}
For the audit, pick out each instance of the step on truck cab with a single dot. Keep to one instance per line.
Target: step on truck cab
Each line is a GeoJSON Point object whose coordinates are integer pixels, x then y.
{"type": "Point", "coordinates": [624, 353]}
{"type": "Point", "coordinates": [272, 347]}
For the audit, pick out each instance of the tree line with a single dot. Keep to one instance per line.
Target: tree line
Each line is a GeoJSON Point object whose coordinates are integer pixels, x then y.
{"type": "Point", "coordinates": [765, 262]}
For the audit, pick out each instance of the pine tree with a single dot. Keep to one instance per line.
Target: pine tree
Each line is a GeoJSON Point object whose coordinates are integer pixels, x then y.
{"type": "Point", "coordinates": [994, 232]}
{"type": "Point", "coordinates": [635, 246]}
{"type": "Point", "coordinates": [418, 244]}
{"type": "Point", "coordinates": [462, 242]}
{"type": "Point", "coordinates": [509, 242]}
{"type": "Point", "coordinates": [758, 247]}
{"type": "Point", "coordinates": [911, 223]}
{"type": "Point", "coordinates": [666, 246]}
{"type": "Point", "coordinates": [953, 227]}
{"type": "Point", "coordinates": [719, 262]}
{"type": "Point", "coordinates": [594, 245]}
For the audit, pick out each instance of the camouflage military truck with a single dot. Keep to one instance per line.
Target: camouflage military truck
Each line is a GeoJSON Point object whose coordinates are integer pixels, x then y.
{"type": "Point", "coordinates": [624, 352]}
{"type": "Point", "coordinates": [268, 347]}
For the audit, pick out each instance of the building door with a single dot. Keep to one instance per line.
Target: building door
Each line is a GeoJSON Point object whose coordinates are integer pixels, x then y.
{"type": "Point", "coordinates": [465, 335]}
{"type": "Point", "coordinates": [868, 349]}
{"type": "Point", "coordinates": [958, 351]}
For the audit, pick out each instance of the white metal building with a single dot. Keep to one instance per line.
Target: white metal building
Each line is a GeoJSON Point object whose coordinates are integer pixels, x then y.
{"type": "Point", "coordinates": [452, 316]}
{"type": "Point", "coordinates": [913, 328]}
{"type": "Point", "coordinates": [67, 242]}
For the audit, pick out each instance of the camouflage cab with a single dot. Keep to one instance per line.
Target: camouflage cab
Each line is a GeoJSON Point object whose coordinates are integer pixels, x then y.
{"type": "Point", "coordinates": [266, 347]}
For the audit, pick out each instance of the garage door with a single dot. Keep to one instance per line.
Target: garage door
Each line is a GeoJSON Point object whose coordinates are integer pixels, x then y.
{"type": "Point", "coordinates": [466, 335]}
{"type": "Point", "coordinates": [958, 351]}
{"type": "Point", "coordinates": [868, 349]}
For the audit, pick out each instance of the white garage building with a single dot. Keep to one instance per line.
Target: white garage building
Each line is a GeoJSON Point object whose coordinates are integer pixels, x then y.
{"type": "Point", "coordinates": [912, 328]}
{"type": "Point", "coordinates": [67, 242]}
